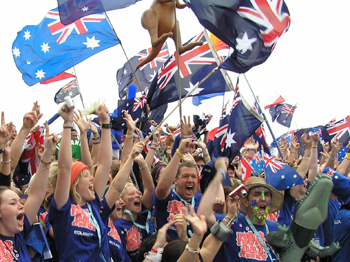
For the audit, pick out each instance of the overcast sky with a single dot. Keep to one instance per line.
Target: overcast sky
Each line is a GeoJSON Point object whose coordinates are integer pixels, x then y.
{"type": "Point", "coordinates": [309, 66]}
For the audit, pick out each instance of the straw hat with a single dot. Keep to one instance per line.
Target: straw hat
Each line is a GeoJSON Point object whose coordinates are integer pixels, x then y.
{"type": "Point", "coordinates": [276, 197]}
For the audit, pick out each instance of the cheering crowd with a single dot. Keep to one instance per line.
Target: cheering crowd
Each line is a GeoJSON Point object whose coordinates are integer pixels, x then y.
{"type": "Point", "coordinates": [164, 200]}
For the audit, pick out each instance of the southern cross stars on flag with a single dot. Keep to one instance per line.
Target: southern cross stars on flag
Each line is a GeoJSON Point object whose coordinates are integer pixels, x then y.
{"type": "Point", "coordinates": [250, 27]}
{"type": "Point", "coordinates": [46, 50]}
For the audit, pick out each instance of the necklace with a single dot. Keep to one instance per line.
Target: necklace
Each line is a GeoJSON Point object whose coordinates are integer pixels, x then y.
{"type": "Point", "coordinates": [11, 252]}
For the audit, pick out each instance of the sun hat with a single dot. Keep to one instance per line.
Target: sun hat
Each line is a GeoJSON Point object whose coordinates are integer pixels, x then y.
{"type": "Point", "coordinates": [276, 196]}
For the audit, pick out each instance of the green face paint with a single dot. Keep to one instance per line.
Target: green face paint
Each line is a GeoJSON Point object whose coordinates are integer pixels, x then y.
{"type": "Point", "coordinates": [263, 195]}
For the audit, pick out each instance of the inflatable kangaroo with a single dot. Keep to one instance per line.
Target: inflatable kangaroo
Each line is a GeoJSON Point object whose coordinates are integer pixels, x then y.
{"type": "Point", "coordinates": [159, 20]}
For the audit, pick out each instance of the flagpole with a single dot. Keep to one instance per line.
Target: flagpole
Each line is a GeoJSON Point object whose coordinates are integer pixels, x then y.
{"type": "Point", "coordinates": [120, 42]}
{"type": "Point", "coordinates": [181, 101]}
{"type": "Point", "coordinates": [218, 61]}
{"type": "Point", "coordinates": [177, 58]}
{"type": "Point", "coordinates": [267, 122]}
{"type": "Point", "coordinates": [81, 96]}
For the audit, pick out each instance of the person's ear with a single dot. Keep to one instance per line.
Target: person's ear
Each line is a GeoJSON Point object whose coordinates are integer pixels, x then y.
{"type": "Point", "coordinates": [145, 254]}
{"type": "Point", "coordinates": [245, 202]}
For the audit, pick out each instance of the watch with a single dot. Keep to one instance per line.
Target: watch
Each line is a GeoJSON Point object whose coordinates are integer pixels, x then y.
{"type": "Point", "coordinates": [109, 125]}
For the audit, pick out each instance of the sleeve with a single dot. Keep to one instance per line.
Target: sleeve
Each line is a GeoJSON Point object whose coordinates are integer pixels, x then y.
{"type": "Point", "coordinates": [5, 180]}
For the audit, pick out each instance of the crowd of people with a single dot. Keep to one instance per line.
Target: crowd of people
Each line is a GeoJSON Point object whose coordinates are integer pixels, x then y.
{"type": "Point", "coordinates": [149, 203]}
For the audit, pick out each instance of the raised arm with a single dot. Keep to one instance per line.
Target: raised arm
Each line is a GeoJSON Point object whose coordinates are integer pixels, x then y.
{"type": "Point", "coordinates": [29, 121]}
{"type": "Point", "coordinates": [147, 181]}
{"type": "Point", "coordinates": [95, 143]}
{"type": "Point", "coordinates": [41, 179]}
{"type": "Point", "coordinates": [153, 149]}
{"type": "Point", "coordinates": [105, 153]}
{"type": "Point", "coordinates": [5, 135]}
{"type": "Point", "coordinates": [208, 199]}
{"type": "Point", "coordinates": [344, 166]}
{"type": "Point", "coordinates": [64, 158]}
{"type": "Point", "coordinates": [131, 124]}
{"type": "Point", "coordinates": [83, 127]}
{"type": "Point", "coordinates": [313, 158]}
{"type": "Point", "coordinates": [297, 191]}
{"type": "Point", "coordinates": [122, 176]}
{"type": "Point", "coordinates": [294, 147]}
{"type": "Point", "coordinates": [333, 154]}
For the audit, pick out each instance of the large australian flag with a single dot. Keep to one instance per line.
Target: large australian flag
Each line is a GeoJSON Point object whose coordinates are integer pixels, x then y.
{"type": "Point", "coordinates": [250, 27]}
{"type": "Point", "coordinates": [195, 65]}
{"type": "Point", "coordinates": [244, 121]}
{"type": "Point", "coordinates": [145, 74]}
{"type": "Point", "coordinates": [48, 49]}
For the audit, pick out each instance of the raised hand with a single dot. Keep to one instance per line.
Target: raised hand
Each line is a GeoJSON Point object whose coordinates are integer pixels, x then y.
{"type": "Point", "coordinates": [198, 223]}
{"type": "Point", "coordinates": [186, 127]}
{"type": "Point", "coordinates": [137, 149]}
{"type": "Point", "coordinates": [102, 112]}
{"type": "Point", "coordinates": [307, 141]}
{"type": "Point", "coordinates": [131, 124]}
{"type": "Point", "coordinates": [5, 132]}
{"type": "Point", "coordinates": [81, 123]}
{"type": "Point", "coordinates": [66, 113]}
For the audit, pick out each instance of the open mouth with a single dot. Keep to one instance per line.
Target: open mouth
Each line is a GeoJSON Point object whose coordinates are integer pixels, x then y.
{"type": "Point", "coordinates": [137, 203]}
{"type": "Point", "coordinates": [20, 219]}
{"type": "Point", "coordinates": [91, 187]}
{"type": "Point", "coordinates": [262, 209]}
{"type": "Point", "coordinates": [189, 190]}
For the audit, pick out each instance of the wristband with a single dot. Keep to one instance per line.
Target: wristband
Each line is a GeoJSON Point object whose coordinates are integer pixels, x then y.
{"type": "Point", "coordinates": [206, 155]}
{"type": "Point", "coordinates": [70, 127]}
{"type": "Point", "coordinates": [192, 251]}
{"type": "Point", "coordinates": [153, 250]}
{"type": "Point", "coordinates": [222, 172]}
{"type": "Point", "coordinates": [179, 153]}
{"type": "Point", "coordinates": [107, 126]}
{"type": "Point", "coordinates": [347, 156]}
{"type": "Point", "coordinates": [129, 136]}
{"type": "Point", "coordinates": [95, 143]}
{"type": "Point", "coordinates": [332, 159]}
{"type": "Point", "coordinates": [95, 137]}
{"type": "Point", "coordinates": [189, 136]}
{"type": "Point", "coordinates": [153, 148]}
{"type": "Point", "coordinates": [314, 147]}
{"type": "Point", "coordinates": [142, 168]}
{"type": "Point", "coordinates": [46, 164]}
{"type": "Point", "coordinates": [6, 162]}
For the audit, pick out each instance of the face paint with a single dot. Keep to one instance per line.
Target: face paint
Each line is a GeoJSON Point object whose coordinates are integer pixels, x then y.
{"type": "Point", "coordinates": [131, 199]}
{"type": "Point", "coordinates": [253, 203]}
{"type": "Point", "coordinates": [269, 203]}
{"type": "Point", "coordinates": [263, 195]}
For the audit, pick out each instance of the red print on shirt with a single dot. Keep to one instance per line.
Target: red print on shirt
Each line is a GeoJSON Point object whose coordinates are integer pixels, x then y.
{"type": "Point", "coordinates": [251, 246]}
{"type": "Point", "coordinates": [133, 239]}
{"type": "Point", "coordinates": [113, 233]}
{"type": "Point", "coordinates": [175, 207]}
{"type": "Point", "coordinates": [80, 217]}
{"type": "Point", "coordinates": [5, 251]}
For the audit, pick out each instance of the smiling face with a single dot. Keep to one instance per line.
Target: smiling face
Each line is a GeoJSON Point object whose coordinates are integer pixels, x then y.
{"type": "Point", "coordinates": [186, 182]}
{"type": "Point", "coordinates": [12, 214]}
{"type": "Point", "coordinates": [118, 210]}
{"type": "Point", "coordinates": [133, 200]}
{"type": "Point", "coordinates": [85, 188]}
{"type": "Point", "coordinates": [258, 204]}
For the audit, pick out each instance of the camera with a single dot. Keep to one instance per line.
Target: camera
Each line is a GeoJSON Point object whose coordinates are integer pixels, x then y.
{"type": "Point", "coordinates": [239, 192]}
{"type": "Point", "coordinates": [69, 102]}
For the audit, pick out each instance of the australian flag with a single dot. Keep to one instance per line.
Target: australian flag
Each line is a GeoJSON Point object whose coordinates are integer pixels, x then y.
{"type": "Point", "coordinates": [341, 130]}
{"type": "Point", "coordinates": [260, 134]}
{"type": "Point", "coordinates": [243, 123]}
{"type": "Point", "coordinates": [71, 89]}
{"type": "Point", "coordinates": [282, 113]}
{"type": "Point", "coordinates": [220, 136]}
{"type": "Point", "coordinates": [250, 27]}
{"type": "Point", "coordinates": [46, 50]}
{"type": "Point", "coordinates": [280, 175]}
{"type": "Point", "coordinates": [157, 115]}
{"type": "Point", "coordinates": [145, 74]}
{"type": "Point", "coordinates": [195, 65]}
{"type": "Point", "coordinates": [341, 185]}
{"type": "Point", "coordinates": [71, 10]}
{"type": "Point", "coordinates": [135, 107]}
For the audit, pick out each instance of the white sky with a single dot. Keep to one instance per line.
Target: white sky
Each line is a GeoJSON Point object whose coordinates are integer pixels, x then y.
{"type": "Point", "coordinates": [309, 66]}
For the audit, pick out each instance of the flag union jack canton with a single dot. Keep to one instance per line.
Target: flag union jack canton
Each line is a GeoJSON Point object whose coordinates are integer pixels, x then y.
{"type": "Point", "coordinates": [145, 74]}
{"type": "Point", "coordinates": [250, 27]}
{"type": "Point", "coordinates": [341, 130]}
{"type": "Point", "coordinates": [70, 89]}
{"type": "Point", "coordinates": [46, 50]}
{"type": "Point", "coordinates": [194, 66]}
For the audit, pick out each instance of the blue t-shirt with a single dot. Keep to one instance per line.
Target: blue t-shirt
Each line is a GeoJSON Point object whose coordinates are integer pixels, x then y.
{"type": "Point", "coordinates": [131, 235]}
{"type": "Point", "coordinates": [76, 237]}
{"type": "Point", "coordinates": [342, 235]}
{"type": "Point", "coordinates": [118, 253]}
{"type": "Point", "coordinates": [172, 204]}
{"type": "Point", "coordinates": [14, 247]}
{"type": "Point", "coordinates": [286, 213]}
{"type": "Point", "coordinates": [328, 224]}
{"type": "Point", "coordinates": [243, 245]}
